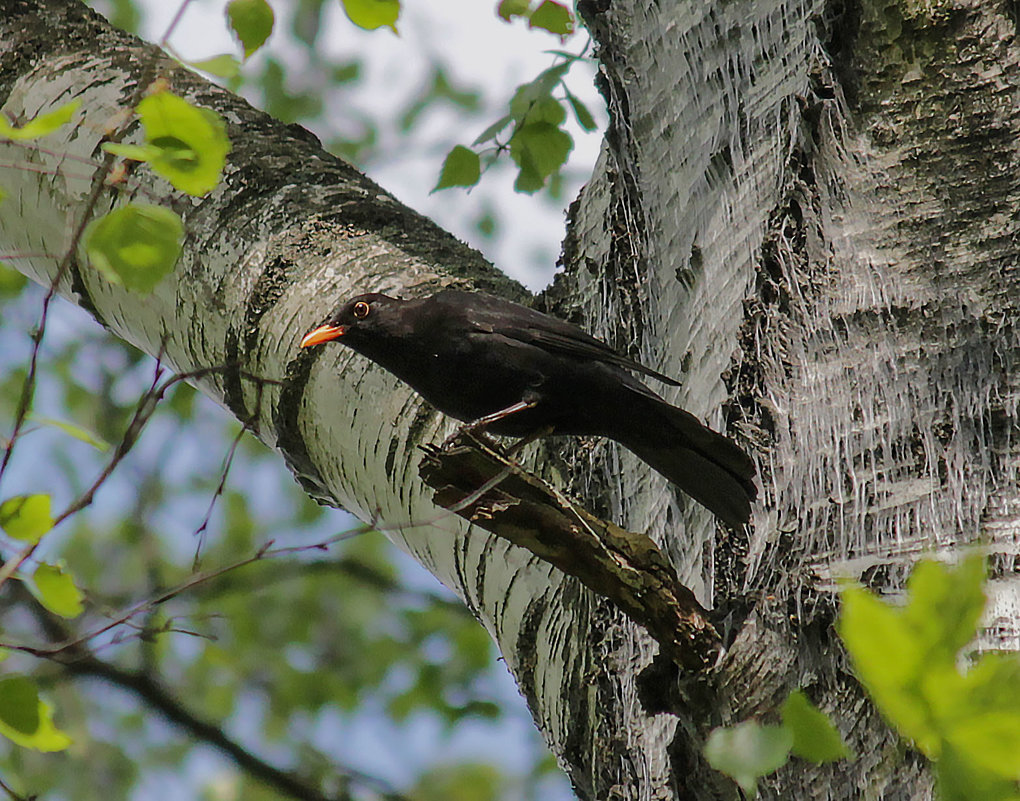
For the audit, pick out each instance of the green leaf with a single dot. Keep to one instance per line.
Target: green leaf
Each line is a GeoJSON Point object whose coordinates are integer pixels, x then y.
{"type": "Point", "coordinates": [529, 93]}
{"type": "Point", "coordinates": [492, 130]}
{"type": "Point", "coordinates": [136, 245]}
{"type": "Point", "coordinates": [990, 742]}
{"type": "Point", "coordinates": [546, 109]}
{"type": "Point", "coordinates": [539, 149]}
{"type": "Point", "coordinates": [190, 143]}
{"type": "Point", "coordinates": [133, 152]}
{"type": "Point", "coordinates": [46, 736]}
{"type": "Point", "coordinates": [55, 590]}
{"type": "Point", "coordinates": [584, 117]}
{"type": "Point", "coordinates": [528, 179]}
{"type": "Point", "coordinates": [11, 281]}
{"type": "Point", "coordinates": [960, 780]}
{"type": "Point", "coordinates": [252, 22]}
{"type": "Point", "coordinates": [222, 66]}
{"type": "Point", "coordinates": [553, 17]}
{"type": "Point", "coordinates": [908, 660]}
{"type": "Point", "coordinates": [26, 517]}
{"type": "Point", "coordinates": [465, 781]}
{"type": "Point", "coordinates": [981, 719]}
{"type": "Point", "coordinates": [280, 101]}
{"type": "Point", "coordinates": [815, 738]}
{"type": "Point", "coordinates": [42, 125]}
{"type": "Point", "coordinates": [991, 684]}
{"type": "Point", "coordinates": [346, 73]}
{"type": "Point", "coordinates": [19, 704]}
{"type": "Point", "coordinates": [372, 14]}
{"type": "Point", "coordinates": [441, 89]}
{"type": "Point", "coordinates": [508, 9]}
{"type": "Point", "coordinates": [748, 751]}
{"type": "Point", "coordinates": [888, 659]}
{"type": "Point", "coordinates": [461, 168]}
{"type": "Point", "coordinates": [946, 604]}
{"type": "Point", "coordinates": [73, 430]}
{"type": "Point", "coordinates": [571, 57]}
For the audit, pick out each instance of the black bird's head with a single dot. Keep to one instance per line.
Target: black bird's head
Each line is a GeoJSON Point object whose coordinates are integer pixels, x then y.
{"type": "Point", "coordinates": [362, 318]}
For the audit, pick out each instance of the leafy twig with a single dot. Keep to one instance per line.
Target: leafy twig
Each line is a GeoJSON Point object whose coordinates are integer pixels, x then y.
{"type": "Point", "coordinates": [98, 186]}
{"type": "Point", "coordinates": [147, 405]}
{"type": "Point", "coordinates": [265, 552]}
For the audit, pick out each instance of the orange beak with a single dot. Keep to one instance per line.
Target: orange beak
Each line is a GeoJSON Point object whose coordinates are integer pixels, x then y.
{"type": "Point", "coordinates": [324, 333]}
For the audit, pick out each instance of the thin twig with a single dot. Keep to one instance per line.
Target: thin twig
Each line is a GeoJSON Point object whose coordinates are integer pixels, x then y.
{"type": "Point", "coordinates": [38, 168]}
{"type": "Point", "coordinates": [146, 407]}
{"type": "Point", "coordinates": [174, 22]}
{"type": "Point", "coordinates": [151, 690]}
{"type": "Point", "coordinates": [29, 255]}
{"type": "Point", "coordinates": [252, 419]}
{"type": "Point", "coordinates": [220, 487]}
{"type": "Point", "coordinates": [126, 182]}
{"type": "Point", "coordinates": [11, 565]}
{"type": "Point", "coordinates": [265, 552]}
{"type": "Point", "coordinates": [157, 697]}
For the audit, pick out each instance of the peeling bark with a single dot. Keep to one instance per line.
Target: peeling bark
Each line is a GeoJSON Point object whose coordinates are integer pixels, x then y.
{"type": "Point", "coordinates": [847, 174]}
{"type": "Point", "coordinates": [474, 479]}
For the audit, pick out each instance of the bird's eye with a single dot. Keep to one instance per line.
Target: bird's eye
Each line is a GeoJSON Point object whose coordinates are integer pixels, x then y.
{"type": "Point", "coordinates": [361, 310]}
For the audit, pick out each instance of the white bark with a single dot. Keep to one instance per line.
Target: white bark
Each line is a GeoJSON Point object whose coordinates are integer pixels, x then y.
{"type": "Point", "coordinates": [825, 207]}
{"type": "Point", "coordinates": [269, 254]}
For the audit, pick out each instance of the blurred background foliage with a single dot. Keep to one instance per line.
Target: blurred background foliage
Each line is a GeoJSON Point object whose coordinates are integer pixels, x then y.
{"type": "Point", "coordinates": [344, 669]}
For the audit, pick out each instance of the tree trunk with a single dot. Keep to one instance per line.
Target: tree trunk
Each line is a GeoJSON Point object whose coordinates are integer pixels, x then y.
{"type": "Point", "coordinates": [770, 221]}
{"type": "Point", "coordinates": [827, 208]}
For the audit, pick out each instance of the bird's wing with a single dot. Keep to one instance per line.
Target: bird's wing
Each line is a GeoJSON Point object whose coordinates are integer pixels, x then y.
{"type": "Point", "coordinates": [551, 334]}
{"type": "Point", "coordinates": [577, 343]}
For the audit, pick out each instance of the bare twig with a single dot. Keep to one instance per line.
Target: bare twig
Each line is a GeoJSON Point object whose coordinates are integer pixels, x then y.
{"type": "Point", "coordinates": [11, 565]}
{"type": "Point", "coordinates": [174, 23]}
{"type": "Point", "coordinates": [157, 697]}
{"type": "Point", "coordinates": [217, 493]}
{"type": "Point", "coordinates": [28, 255]}
{"type": "Point", "coordinates": [252, 418]}
{"type": "Point", "coordinates": [37, 168]}
{"type": "Point", "coordinates": [265, 552]}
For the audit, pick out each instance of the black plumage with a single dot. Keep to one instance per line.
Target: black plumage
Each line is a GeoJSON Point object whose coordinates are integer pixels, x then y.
{"type": "Point", "coordinates": [521, 372]}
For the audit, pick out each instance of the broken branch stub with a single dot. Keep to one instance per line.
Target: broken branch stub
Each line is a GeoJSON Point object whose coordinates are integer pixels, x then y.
{"type": "Point", "coordinates": [474, 478]}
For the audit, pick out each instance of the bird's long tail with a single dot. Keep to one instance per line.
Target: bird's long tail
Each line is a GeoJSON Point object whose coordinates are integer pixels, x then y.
{"type": "Point", "coordinates": [709, 467]}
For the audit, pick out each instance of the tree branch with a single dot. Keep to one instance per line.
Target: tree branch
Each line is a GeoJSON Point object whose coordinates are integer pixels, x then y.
{"type": "Point", "coordinates": [79, 662]}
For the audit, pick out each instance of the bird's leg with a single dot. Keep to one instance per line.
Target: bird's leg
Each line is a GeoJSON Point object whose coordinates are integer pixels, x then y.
{"type": "Point", "coordinates": [483, 422]}
{"type": "Point", "coordinates": [489, 419]}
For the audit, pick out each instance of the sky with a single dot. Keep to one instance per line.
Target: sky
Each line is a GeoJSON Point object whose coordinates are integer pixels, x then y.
{"type": "Point", "coordinates": [476, 48]}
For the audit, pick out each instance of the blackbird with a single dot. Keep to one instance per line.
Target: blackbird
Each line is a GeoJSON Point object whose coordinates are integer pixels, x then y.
{"type": "Point", "coordinates": [515, 371]}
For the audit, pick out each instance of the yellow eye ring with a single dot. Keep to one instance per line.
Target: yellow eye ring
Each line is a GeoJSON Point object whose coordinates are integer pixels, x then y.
{"type": "Point", "coordinates": [361, 310]}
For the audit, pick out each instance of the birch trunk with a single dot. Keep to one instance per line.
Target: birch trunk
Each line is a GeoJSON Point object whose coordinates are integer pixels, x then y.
{"type": "Point", "coordinates": [809, 214]}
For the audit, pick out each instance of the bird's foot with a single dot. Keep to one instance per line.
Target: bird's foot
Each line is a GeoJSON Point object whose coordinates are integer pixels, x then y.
{"type": "Point", "coordinates": [475, 427]}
